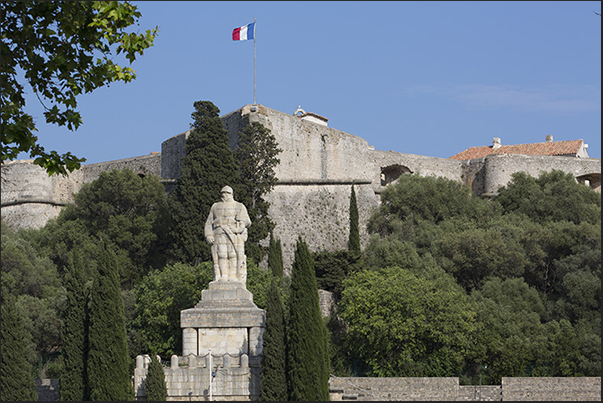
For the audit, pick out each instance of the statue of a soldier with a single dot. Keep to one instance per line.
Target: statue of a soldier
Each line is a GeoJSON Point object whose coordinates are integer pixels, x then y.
{"type": "Point", "coordinates": [226, 232]}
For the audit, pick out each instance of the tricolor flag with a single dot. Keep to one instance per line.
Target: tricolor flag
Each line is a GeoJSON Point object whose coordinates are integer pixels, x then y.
{"type": "Point", "coordinates": [243, 33]}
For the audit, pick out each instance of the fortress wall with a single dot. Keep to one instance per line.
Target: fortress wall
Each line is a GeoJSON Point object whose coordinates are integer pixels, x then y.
{"type": "Point", "coordinates": [397, 389]}
{"type": "Point", "coordinates": [172, 152]}
{"type": "Point", "coordinates": [143, 165]}
{"type": "Point", "coordinates": [320, 214]}
{"type": "Point", "coordinates": [30, 197]}
{"type": "Point", "coordinates": [498, 168]}
{"type": "Point", "coordinates": [552, 388]}
{"type": "Point", "coordinates": [313, 151]}
{"type": "Point", "coordinates": [448, 389]}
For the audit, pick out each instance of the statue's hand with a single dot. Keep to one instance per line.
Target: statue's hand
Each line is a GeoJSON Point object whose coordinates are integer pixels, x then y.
{"type": "Point", "coordinates": [210, 240]}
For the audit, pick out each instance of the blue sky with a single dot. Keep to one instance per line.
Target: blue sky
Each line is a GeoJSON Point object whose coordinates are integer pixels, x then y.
{"type": "Point", "coordinates": [426, 78]}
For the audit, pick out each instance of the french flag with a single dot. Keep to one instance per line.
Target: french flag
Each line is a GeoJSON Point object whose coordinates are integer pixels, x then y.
{"type": "Point", "coordinates": [243, 33]}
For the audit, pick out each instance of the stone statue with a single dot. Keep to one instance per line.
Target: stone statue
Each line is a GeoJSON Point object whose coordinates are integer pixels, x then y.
{"type": "Point", "coordinates": [226, 232]}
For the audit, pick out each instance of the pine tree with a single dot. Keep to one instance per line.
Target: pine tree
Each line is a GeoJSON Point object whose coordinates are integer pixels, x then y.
{"type": "Point", "coordinates": [108, 358]}
{"type": "Point", "coordinates": [208, 166]}
{"type": "Point", "coordinates": [275, 257]}
{"type": "Point", "coordinates": [256, 156]}
{"type": "Point", "coordinates": [155, 387]}
{"type": "Point", "coordinates": [354, 238]}
{"type": "Point", "coordinates": [273, 380]}
{"type": "Point", "coordinates": [16, 383]}
{"type": "Point", "coordinates": [308, 357]}
{"type": "Point", "coordinates": [74, 333]}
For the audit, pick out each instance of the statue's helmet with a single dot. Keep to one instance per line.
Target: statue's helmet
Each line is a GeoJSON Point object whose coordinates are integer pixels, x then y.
{"type": "Point", "coordinates": [226, 189]}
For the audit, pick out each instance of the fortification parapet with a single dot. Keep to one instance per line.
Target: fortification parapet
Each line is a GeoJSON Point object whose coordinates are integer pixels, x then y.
{"type": "Point", "coordinates": [30, 197]}
{"type": "Point", "coordinates": [499, 168]}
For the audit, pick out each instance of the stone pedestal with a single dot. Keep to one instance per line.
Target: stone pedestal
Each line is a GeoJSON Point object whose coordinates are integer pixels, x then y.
{"type": "Point", "coordinates": [225, 321]}
{"type": "Point", "coordinates": [229, 326]}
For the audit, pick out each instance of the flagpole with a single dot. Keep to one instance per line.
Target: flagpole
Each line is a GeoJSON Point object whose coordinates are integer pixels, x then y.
{"type": "Point", "coordinates": [254, 97]}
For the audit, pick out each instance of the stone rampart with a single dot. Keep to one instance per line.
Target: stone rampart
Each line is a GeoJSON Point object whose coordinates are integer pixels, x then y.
{"type": "Point", "coordinates": [30, 197]}
{"type": "Point", "coordinates": [143, 165]}
{"type": "Point", "coordinates": [396, 389]}
{"type": "Point", "coordinates": [318, 166]}
{"type": "Point", "coordinates": [448, 389]}
{"type": "Point", "coordinates": [498, 169]}
{"type": "Point", "coordinates": [552, 388]}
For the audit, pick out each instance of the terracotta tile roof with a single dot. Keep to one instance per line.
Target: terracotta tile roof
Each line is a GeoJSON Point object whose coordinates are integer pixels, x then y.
{"type": "Point", "coordinates": [568, 147]}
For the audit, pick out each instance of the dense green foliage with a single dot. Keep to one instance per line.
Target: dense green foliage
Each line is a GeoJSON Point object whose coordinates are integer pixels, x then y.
{"type": "Point", "coordinates": [529, 276]}
{"type": "Point", "coordinates": [255, 155]}
{"type": "Point", "coordinates": [16, 381]}
{"type": "Point", "coordinates": [273, 378]}
{"type": "Point", "coordinates": [159, 299]}
{"type": "Point", "coordinates": [155, 387]}
{"type": "Point", "coordinates": [275, 257]}
{"type": "Point", "coordinates": [108, 363]}
{"type": "Point", "coordinates": [64, 49]}
{"type": "Point", "coordinates": [127, 211]}
{"type": "Point", "coordinates": [74, 333]}
{"type": "Point", "coordinates": [307, 343]}
{"type": "Point", "coordinates": [34, 281]}
{"type": "Point", "coordinates": [404, 324]}
{"type": "Point", "coordinates": [553, 196]}
{"type": "Point", "coordinates": [332, 268]}
{"type": "Point", "coordinates": [207, 167]}
{"type": "Point", "coordinates": [354, 237]}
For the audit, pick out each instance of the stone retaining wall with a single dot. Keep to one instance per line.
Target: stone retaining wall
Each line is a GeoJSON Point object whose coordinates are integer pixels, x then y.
{"type": "Point", "coordinates": [442, 389]}
{"type": "Point", "coordinates": [553, 389]}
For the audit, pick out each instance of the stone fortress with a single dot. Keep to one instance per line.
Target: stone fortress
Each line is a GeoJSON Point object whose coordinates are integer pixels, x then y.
{"type": "Point", "coordinates": [319, 164]}
{"type": "Point", "coordinates": [318, 167]}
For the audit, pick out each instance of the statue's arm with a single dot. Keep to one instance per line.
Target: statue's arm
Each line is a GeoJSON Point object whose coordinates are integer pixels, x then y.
{"type": "Point", "coordinates": [209, 230]}
{"type": "Point", "coordinates": [244, 216]}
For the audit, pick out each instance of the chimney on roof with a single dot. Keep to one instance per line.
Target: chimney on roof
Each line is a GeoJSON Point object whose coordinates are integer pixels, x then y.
{"type": "Point", "coordinates": [549, 138]}
{"type": "Point", "coordinates": [496, 143]}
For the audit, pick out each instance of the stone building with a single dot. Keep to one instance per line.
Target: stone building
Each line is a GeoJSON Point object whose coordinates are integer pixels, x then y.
{"type": "Point", "coordinates": [318, 167]}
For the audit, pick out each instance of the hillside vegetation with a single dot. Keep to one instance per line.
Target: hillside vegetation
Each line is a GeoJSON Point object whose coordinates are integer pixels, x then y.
{"type": "Point", "coordinates": [448, 285]}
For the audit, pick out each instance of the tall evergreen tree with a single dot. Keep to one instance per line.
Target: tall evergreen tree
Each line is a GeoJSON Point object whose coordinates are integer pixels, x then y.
{"type": "Point", "coordinates": [74, 333]}
{"type": "Point", "coordinates": [275, 257]}
{"type": "Point", "coordinates": [354, 239]}
{"type": "Point", "coordinates": [273, 381]}
{"type": "Point", "coordinates": [155, 387]}
{"type": "Point", "coordinates": [16, 383]}
{"type": "Point", "coordinates": [208, 166]}
{"type": "Point", "coordinates": [256, 155]}
{"type": "Point", "coordinates": [307, 342]}
{"type": "Point", "coordinates": [108, 359]}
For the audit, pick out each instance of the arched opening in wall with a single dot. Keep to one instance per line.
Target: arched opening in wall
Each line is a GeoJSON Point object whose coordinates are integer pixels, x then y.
{"type": "Point", "coordinates": [591, 180]}
{"type": "Point", "coordinates": [392, 172]}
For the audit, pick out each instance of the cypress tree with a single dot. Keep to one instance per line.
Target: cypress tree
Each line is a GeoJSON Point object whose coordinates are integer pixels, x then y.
{"type": "Point", "coordinates": [155, 387]}
{"type": "Point", "coordinates": [354, 238]}
{"type": "Point", "coordinates": [74, 333]}
{"type": "Point", "coordinates": [208, 166]}
{"type": "Point", "coordinates": [256, 156]}
{"type": "Point", "coordinates": [273, 380]}
{"type": "Point", "coordinates": [308, 356]}
{"type": "Point", "coordinates": [275, 257]}
{"type": "Point", "coordinates": [16, 383]}
{"type": "Point", "coordinates": [108, 359]}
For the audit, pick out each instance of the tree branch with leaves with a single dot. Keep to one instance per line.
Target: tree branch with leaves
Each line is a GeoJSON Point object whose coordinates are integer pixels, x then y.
{"type": "Point", "coordinates": [62, 49]}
